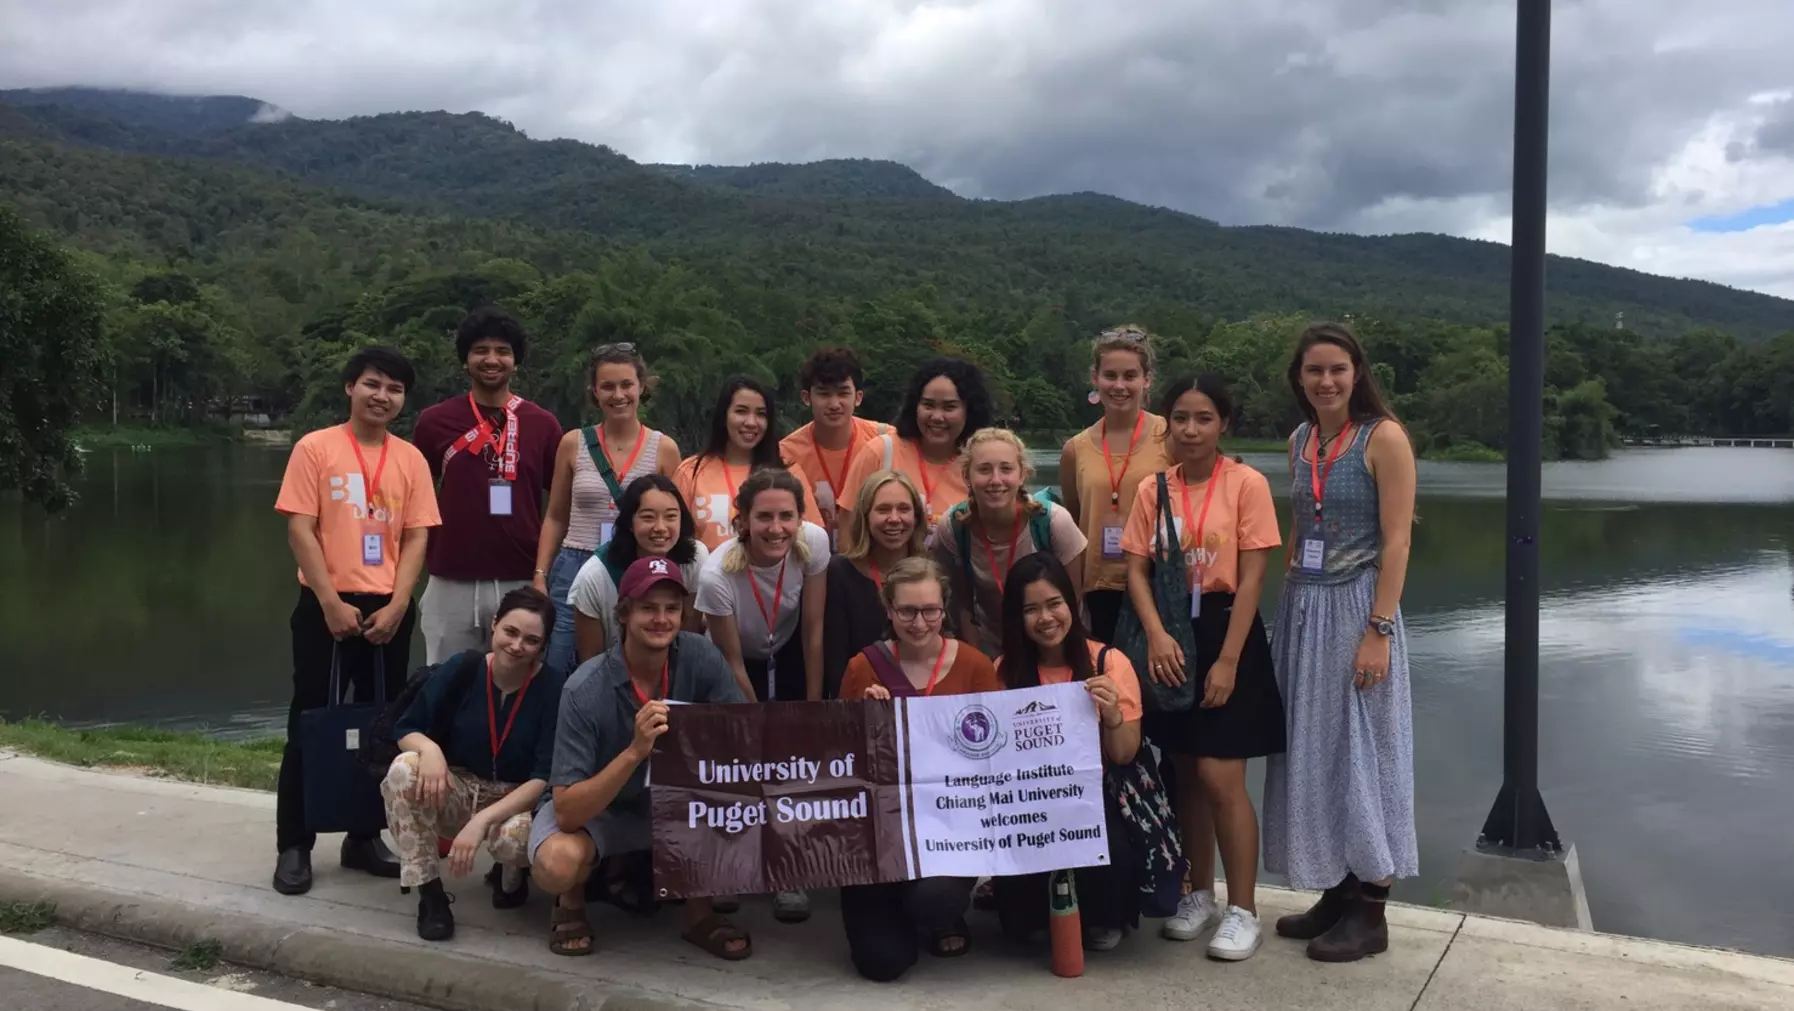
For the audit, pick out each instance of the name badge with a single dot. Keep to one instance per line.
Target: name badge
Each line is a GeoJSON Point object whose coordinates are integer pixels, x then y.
{"type": "Point", "coordinates": [825, 497]}
{"type": "Point", "coordinates": [498, 497]}
{"type": "Point", "coordinates": [604, 532]}
{"type": "Point", "coordinates": [1312, 556]}
{"type": "Point", "coordinates": [1111, 542]}
{"type": "Point", "coordinates": [1196, 592]}
{"type": "Point", "coordinates": [373, 549]}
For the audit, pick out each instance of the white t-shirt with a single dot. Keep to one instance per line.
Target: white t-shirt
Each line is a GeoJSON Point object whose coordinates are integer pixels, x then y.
{"type": "Point", "coordinates": [729, 593]}
{"type": "Point", "coordinates": [594, 593]}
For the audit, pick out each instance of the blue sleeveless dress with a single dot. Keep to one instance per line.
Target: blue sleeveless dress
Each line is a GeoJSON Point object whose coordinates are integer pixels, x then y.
{"type": "Point", "coordinates": [1341, 797]}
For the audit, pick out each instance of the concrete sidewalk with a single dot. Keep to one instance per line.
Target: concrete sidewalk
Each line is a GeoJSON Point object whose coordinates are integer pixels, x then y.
{"type": "Point", "coordinates": [170, 863]}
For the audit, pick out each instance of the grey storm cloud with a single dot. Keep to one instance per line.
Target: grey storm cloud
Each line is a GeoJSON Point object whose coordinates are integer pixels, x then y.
{"type": "Point", "coordinates": [1317, 113]}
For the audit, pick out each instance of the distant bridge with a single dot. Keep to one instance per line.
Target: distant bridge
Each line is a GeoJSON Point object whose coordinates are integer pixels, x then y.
{"type": "Point", "coordinates": [1745, 441]}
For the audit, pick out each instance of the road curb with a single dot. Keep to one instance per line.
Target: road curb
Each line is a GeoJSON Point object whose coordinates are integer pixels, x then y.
{"type": "Point", "coordinates": [444, 979]}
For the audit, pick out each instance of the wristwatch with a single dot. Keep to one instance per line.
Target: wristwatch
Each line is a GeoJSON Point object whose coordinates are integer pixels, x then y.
{"type": "Point", "coordinates": [1384, 627]}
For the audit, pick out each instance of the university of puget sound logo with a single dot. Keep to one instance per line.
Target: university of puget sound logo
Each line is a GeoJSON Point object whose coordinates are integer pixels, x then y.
{"type": "Point", "coordinates": [978, 734]}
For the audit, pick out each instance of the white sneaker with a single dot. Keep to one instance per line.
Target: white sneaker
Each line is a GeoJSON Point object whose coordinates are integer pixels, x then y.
{"type": "Point", "coordinates": [1238, 937]}
{"type": "Point", "coordinates": [1196, 912]}
{"type": "Point", "coordinates": [791, 907]}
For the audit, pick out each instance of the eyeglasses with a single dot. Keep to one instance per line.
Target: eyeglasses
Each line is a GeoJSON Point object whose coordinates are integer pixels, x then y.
{"type": "Point", "coordinates": [908, 615]}
{"type": "Point", "coordinates": [1128, 335]}
{"type": "Point", "coordinates": [625, 348]}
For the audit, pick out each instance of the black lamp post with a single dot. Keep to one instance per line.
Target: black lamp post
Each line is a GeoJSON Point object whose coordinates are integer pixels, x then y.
{"type": "Point", "coordinates": [1519, 824]}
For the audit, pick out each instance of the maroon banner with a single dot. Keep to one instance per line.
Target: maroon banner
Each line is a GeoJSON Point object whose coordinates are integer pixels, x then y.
{"type": "Point", "coordinates": [749, 799]}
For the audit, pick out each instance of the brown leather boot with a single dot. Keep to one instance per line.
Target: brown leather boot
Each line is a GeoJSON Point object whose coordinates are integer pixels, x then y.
{"type": "Point", "coordinates": [1321, 916]}
{"type": "Point", "coordinates": [1361, 929]}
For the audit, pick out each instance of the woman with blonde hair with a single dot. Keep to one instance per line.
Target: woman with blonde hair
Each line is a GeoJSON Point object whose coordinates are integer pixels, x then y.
{"type": "Point", "coordinates": [998, 524]}
{"type": "Point", "coordinates": [887, 528]}
{"type": "Point", "coordinates": [883, 921]}
{"type": "Point", "coordinates": [1100, 468]}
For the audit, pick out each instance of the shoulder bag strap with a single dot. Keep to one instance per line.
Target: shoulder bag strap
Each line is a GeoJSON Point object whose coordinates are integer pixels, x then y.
{"type": "Point", "coordinates": [602, 462]}
{"type": "Point", "coordinates": [884, 665]}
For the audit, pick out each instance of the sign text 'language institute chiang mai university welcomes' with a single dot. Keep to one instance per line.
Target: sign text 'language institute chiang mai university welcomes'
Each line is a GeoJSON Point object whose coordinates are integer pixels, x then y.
{"type": "Point", "coordinates": [789, 795]}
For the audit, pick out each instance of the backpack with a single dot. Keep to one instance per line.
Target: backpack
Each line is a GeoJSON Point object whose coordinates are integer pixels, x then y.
{"type": "Point", "coordinates": [1139, 792]}
{"type": "Point", "coordinates": [382, 746]}
{"type": "Point", "coordinates": [1040, 527]}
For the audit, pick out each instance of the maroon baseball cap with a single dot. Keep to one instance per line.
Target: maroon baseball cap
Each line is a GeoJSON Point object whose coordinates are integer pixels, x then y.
{"type": "Point", "coordinates": [645, 574]}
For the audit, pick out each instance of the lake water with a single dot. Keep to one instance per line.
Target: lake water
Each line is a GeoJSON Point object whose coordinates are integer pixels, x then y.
{"type": "Point", "coordinates": [1667, 705]}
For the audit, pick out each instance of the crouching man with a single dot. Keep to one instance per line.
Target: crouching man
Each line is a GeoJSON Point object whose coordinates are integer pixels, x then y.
{"type": "Point", "coordinates": [612, 710]}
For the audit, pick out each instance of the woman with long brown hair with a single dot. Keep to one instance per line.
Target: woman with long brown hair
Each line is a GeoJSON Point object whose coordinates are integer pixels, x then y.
{"type": "Point", "coordinates": [1339, 804]}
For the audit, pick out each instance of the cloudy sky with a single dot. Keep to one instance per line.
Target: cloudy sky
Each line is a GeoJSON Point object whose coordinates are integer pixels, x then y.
{"type": "Point", "coordinates": [1673, 120]}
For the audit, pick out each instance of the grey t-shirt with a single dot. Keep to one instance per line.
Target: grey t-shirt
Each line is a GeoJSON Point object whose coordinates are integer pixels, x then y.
{"type": "Point", "coordinates": [597, 720]}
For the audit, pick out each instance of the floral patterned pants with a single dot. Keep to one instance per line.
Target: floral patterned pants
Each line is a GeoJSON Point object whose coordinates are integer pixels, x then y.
{"type": "Point", "coordinates": [416, 827]}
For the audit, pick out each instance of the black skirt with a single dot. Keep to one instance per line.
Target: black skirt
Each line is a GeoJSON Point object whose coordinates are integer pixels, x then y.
{"type": "Point", "coordinates": [1251, 724]}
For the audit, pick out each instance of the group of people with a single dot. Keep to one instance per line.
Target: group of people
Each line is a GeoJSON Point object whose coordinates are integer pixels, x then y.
{"type": "Point", "coordinates": [581, 581]}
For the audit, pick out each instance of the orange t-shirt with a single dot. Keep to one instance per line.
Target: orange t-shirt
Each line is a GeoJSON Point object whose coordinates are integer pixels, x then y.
{"type": "Point", "coordinates": [1120, 671]}
{"type": "Point", "coordinates": [827, 468]}
{"type": "Point", "coordinates": [944, 487]}
{"type": "Point", "coordinates": [325, 480]}
{"type": "Point", "coordinates": [1241, 517]}
{"type": "Point", "coordinates": [971, 671]}
{"type": "Point", "coordinates": [709, 491]}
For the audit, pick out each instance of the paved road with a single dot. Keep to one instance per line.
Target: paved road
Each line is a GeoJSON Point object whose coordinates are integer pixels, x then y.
{"type": "Point", "coordinates": [63, 970]}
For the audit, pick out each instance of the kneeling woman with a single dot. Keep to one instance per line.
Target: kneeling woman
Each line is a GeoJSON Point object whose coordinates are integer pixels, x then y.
{"type": "Point", "coordinates": [1226, 527]}
{"type": "Point", "coordinates": [1044, 643]}
{"type": "Point", "coordinates": [885, 922]}
{"type": "Point", "coordinates": [476, 747]}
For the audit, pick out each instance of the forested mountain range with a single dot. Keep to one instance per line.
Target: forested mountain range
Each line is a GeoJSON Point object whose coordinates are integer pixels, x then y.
{"type": "Point", "coordinates": [295, 237]}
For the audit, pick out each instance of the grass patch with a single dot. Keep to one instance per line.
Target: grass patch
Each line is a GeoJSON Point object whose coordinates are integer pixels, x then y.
{"type": "Point", "coordinates": [200, 956]}
{"type": "Point", "coordinates": [183, 755]}
{"type": "Point", "coordinates": [26, 917]}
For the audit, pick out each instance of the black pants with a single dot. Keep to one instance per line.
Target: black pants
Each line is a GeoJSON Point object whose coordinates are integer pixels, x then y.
{"type": "Point", "coordinates": [884, 923]}
{"type": "Point", "coordinates": [1104, 607]}
{"type": "Point", "coordinates": [788, 672]}
{"type": "Point", "coordinates": [1108, 895]}
{"type": "Point", "coordinates": [312, 649]}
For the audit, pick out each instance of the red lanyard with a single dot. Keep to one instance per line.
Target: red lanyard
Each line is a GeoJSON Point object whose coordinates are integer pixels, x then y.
{"type": "Point", "coordinates": [877, 579]}
{"type": "Point", "coordinates": [641, 439]}
{"type": "Point", "coordinates": [480, 435]}
{"type": "Point", "coordinates": [940, 658]}
{"type": "Point", "coordinates": [372, 488]}
{"type": "Point", "coordinates": [834, 485]}
{"type": "Point", "coordinates": [1109, 461]}
{"type": "Point", "coordinates": [778, 594]}
{"type": "Point", "coordinates": [1317, 475]}
{"type": "Point", "coordinates": [665, 684]}
{"type": "Point", "coordinates": [990, 550]}
{"type": "Point", "coordinates": [492, 734]}
{"type": "Point", "coordinates": [1214, 478]}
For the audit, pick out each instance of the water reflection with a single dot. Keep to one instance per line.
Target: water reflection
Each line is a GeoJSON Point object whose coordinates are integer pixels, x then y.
{"type": "Point", "coordinates": [1667, 654]}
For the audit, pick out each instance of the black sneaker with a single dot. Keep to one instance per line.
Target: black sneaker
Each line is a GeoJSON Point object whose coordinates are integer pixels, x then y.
{"type": "Point", "coordinates": [435, 921]}
{"type": "Point", "coordinates": [502, 899]}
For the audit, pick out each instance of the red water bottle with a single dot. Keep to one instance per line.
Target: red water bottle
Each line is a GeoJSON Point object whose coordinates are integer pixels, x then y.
{"type": "Point", "coordinates": [1067, 927]}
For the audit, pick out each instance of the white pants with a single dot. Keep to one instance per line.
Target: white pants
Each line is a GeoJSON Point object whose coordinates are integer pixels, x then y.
{"type": "Point", "coordinates": [457, 615]}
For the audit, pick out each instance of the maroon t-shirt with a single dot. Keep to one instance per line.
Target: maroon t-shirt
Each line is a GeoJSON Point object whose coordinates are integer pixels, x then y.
{"type": "Point", "coordinates": [472, 543]}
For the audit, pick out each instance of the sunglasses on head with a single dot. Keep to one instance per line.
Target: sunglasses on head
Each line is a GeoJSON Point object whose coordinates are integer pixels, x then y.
{"type": "Point", "coordinates": [1132, 335]}
{"type": "Point", "coordinates": [625, 348]}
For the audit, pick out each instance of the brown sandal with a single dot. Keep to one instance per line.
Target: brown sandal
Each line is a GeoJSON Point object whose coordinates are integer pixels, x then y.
{"type": "Point", "coordinates": [567, 926]}
{"type": "Point", "coordinates": [714, 934]}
